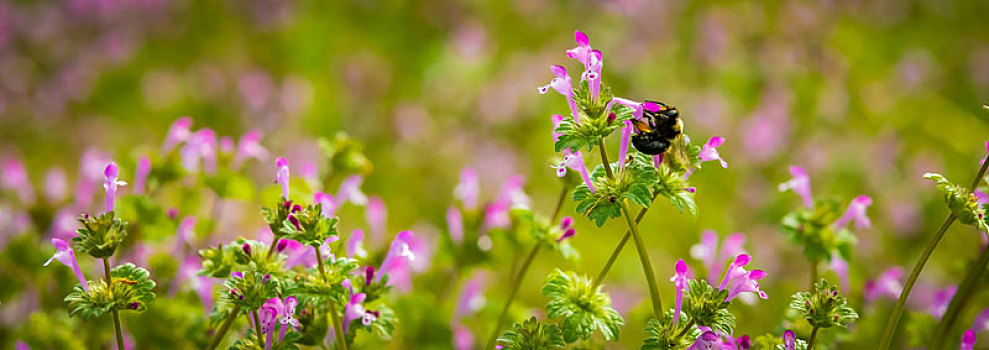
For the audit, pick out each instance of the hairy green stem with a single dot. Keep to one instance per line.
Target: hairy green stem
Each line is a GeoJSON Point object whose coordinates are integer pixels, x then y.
{"type": "Point", "coordinates": [901, 303]}
{"type": "Point", "coordinates": [620, 246]}
{"type": "Point", "coordinates": [224, 327]}
{"type": "Point", "coordinates": [337, 329]}
{"type": "Point", "coordinates": [516, 283]}
{"type": "Point", "coordinates": [657, 304]}
{"type": "Point", "coordinates": [257, 327]}
{"type": "Point", "coordinates": [116, 314]}
{"type": "Point", "coordinates": [813, 335]}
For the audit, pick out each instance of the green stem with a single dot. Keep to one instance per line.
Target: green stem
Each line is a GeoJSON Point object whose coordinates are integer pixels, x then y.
{"type": "Point", "coordinates": [337, 329]}
{"type": "Point", "coordinates": [810, 342]}
{"type": "Point", "coordinates": [621, 245]}
{"type": "Point", "coordinates": [900, 304]}
{"type": "Point", "coordinates": [271, 249]}
{"type": "Point", "coordinates": [965, 291]}
{"type": "Point", "coordinates": [257, 327]}
{"type": "Point", "coordinates": [813, 274]}
{"type": "Point", "coordinates": [516, 283]}
{"type": "Point", "coordinates": [215, 340]}
{"type": "Point", "coordinates": [559, 205]}
{"type": "Point", "coordinates": [657, 304]}
{"type": "Point", "coordinates": [686, 329]}
{"type": "Point", "coordinates": [116, 314]}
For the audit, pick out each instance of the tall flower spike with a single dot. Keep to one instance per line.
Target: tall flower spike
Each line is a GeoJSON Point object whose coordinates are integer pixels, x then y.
{"type": "Point", "coordinates": [800, 183]}
{"type": "Point", "coordinates": [561, 83]}
{"type": "Point", "coordinates": [709, 151]}
{"type": "Point", "coordinates": [110, 184]}
{"type": "Point", "coordinates": [679, 280]}
{"type": "Point", "coordinates": [65, 255]}
{"type": "Point", "coordinates": [857, 212]}
{"type": "Point", "coordinates": [141, 175]}
{"type": "Point", "coordinates": [281, 175]}
{"type": "Point", "coordinates": [468, 189]}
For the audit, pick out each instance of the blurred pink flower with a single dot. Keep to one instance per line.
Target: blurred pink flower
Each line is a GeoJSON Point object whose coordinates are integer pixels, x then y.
{"type": "Point", "coordinates": [468, 189]}
{"type": "Point", "coordinates": [249, 147]}
{"type": "Point", "coordinates": [471, 297]}
{"type": "Point", "coordinates": [940, 301]}
{"type": "Point", "coordinates": [141, 175]}
{"type": "Point", "coordinates": [65, 255]}
{"type": "Point", "coordinates": [857, 212]}
{"type": "Point", "coordinates": [376, 216]}
{"type": "Point", "coordinates": [707, 252]}
{"type": "Point", "coordinates": [56, 185]}
{"type": "Point", "coordinates": [455, 224]}
{"type": "Point", "coordinates": [178, 133]}
{"type": "Point", "coordinates": [800, 183]}
{"type": "Point", "coordinates": [840, 268]}
{"type": "Point", "coordinates": [968, 340]}
{"type": "Point", "coordinates": [888, 284]}
{"type": "Point", "coordinates": [14, 177]}
{"type": "Point", "coordinates": [282, 176]}
{"type": "Point", "coordinates": [350, 191]}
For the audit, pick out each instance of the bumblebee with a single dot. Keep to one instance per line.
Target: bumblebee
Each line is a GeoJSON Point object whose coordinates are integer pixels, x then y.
{"type": "Point", "coordinates": [659, 127]}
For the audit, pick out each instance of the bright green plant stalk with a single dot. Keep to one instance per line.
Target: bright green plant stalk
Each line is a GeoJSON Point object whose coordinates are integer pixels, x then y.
{"type": "Point", "coordinates": [657, 304]}
{"type": "Point", "coordinates": [813, 335]}
{"type": "Point", "coordinates": [517, 282]}
{"type": "Point", "coordinates": [337, 329]}
{"type": "Point", "coordinates": [116, 314]}
{"type": "Point", "coordinates": [813, 274]}
{"type": "Point", "coordinates": [620, 246]}
{"type": "Point", "coordinates": [215, 340]}
{"type": "Point", "coordinates": [901, 303]}
{"type": "Point", "coordinates": [965, 289]}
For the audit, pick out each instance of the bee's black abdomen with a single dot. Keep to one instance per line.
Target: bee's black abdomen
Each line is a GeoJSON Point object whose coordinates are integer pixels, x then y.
{"type": "Point", "coordinates": [650, 143]}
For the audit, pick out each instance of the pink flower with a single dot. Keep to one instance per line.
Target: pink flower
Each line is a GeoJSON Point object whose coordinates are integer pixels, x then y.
{"type": "Point", "coordinates": [376, 216]}
{"type": "Point", "coordinates": [840, 268]}
{"type": "Point", "coordinates": [268, 316]}
{"type": "Point", "coordinates": [468, 189]}
{"type": "Point", "coordinates": [14, 177]}
{"type": "Point", "coordinates": [679, 280]}
{"type": "Point", "coordinates": [708, 340]}
{"type": "Point", "coordinates": [707, 252]}
{"type": "Point", "coordinates": [637, 108]}
{"type": "Point", "coordinates": [940, 301]}
{"type": "Point", "coordinates": [968, 340]}
{"type": "Point", "coordinates": [623, 148]}
{"type": "Point", "coordinates": [350, 191]}
{"type": "Point", "coordinates": [800, 183]}
{"type": "Point", "coordinates": [789, 340]}
{"type": "Point", "coordinates": [355, 244]}
{"type": "Point", "coordinates": [249, 147]}
{"type": "Point", "coordinates": [65, 255]}
{"type": "Point", "coordinates": [183, 235]}
{"type": "Point", "coordinates": [709, 151]}
{"type": "Point", "coordinates": [282, 175]}
{"type": "Point", "coordinates": [355, 310]}
{"type": "Point", "coordinates": [856, 211]}
{"type": "Point", "coordinates": [561, 83]}
{"type": "Point", "coordinates": [329, 205]}
{"type": "Point", "coordinates": [141, 175]}
{"type": "Point", "coordinates": [463, 339]}
{"type": "Point", "coordinates": [738, 280]}
{"type": "Point", "coordinates": [399, 257]}
{"type": "Point", "coordinates": [886, 285]}
{"type": "Point", "coordinates": [91, 166]}
{"type": "Point", "coordinates": [566, 224]}
{"type": "Point", "coordinates": [471, 297]}
{"type": "Point", "coordinates": [455, 224]}
{"type": "Point", "coordinates": [510, 195]}
{"type": "Point", "coordinates": [581, 53]}
{"type": "Point", "coordinates": [201, 145]}
{"type": "Point", "coordinates": [110, 184]}
{"type": "Point", "coordinates": [56, 186]}
{"type": "Point", "coordinates": [177, 134]}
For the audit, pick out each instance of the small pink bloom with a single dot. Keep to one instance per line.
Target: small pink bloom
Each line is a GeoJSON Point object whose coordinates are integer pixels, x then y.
{"type": "Point", "coordinates": [110, 184]}
{"type": "Point", "coordinates": [561, 84]}
{"type": "Point", "coordinates": [329, 205]}
{"type": "Point", "coordinates": [249, 147]}
{"type": "Point", "coordinates": [177, 134]}
{"type": "Point", "coordinates": [399, 256]}
{"type": "Point", "coordinates": [709, 151]}
{"type": "Point", "coordinates": [350, 191]}
{"type": "Point", "coordinates": [355, 244]}
{"type": "Point", "coordinates": [468, 189]}
{"type": "Point", "coordinates": [968, 340]}
{"type": "Point", "coordinates": [623, 148]}
{"type": "Point", "coordinates": [65, 255]}
{"type": "Point", "coordinates": [789, 340]}
{"type": "Point", "coordinates": [471, 298]}
{"type": "Point", "coordinates": [455, 224]}
{"type": "Point", "coordinates": [355, 310]}
{"type": "Point", "coordinates": [282, 175]}
{"type": "Point", "coordinates": [840, 268]}
{"type": "Point", "coordinates": [376, 216]}
{"type": "Point", "coordinates": [14, 177]}
{"type": "Point", "coordinates": [886, 285]}
{"type": "Point", "coordinates": [800, 183]}
{"type": "Point", "coordinates": [679, 280]}
{"type": "Point", "coordinates": [941, 299]}
{"type": "Point", "coordinates": [857, 212]}
{"type": "Point", "coordinates": [56, 186]}
{"type": "Point", "coordinates": [141, 175]}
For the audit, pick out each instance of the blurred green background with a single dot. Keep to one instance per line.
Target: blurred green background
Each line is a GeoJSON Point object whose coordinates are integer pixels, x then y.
{"type": "Point", "coordinates": [865, 95]}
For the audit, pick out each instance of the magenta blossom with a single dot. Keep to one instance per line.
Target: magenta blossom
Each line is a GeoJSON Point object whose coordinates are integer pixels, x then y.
{"type": "Point", "coordinates": [886, 285]}
{"type": "Point", "coordinates": [329, 205]}
{"type": "Point", "coordinates": [350, 191]}
{"type": "Point", "coordinates": [376, 216]}
{"type": "Point", "coordinates": [739, 280]}
{"type": "Point", "coordinates": [981, 322]}
{"type": "Point", "coordinates": [355, 244]}
{"type": "Point", "coordinates": [56, 186]}
{"type": "Point", "coordinates": [468, 189]}
{"type": "Point", "coordinates": [355, 310]}
{"type": "Point", "coordinates": [707, 252]}
{"type": "Point", "coordinates": [637, 107]}
{"type": "Point", "coordinates": [463, 339]}
{"type": "Point", "coordinates": [471, 296]}
{"type": "Point", "coordinates": [566, 224]}
{"type": "Point", "coordinates": [939, 303]}
{"type": "Point", "coordinates": [709, 151]}
{"type": "Point", "coordinates": [268, 318]}
{"type": "Point", "coordinates": [789, 340]}
{"type": "Point", "coordinates": [184, 234]}
{"type": "Point", "coordinates": [708, 340]}
{"type": "Point", "coordinates": [856, 211]}
{"type": "Point", "coordinates": [840, 268]}
{"type": "Point", "coordinates": [968, 340]}
{"type": "Point", "coordinates": [200, 145]}
{"type": "Point", "coordinates": [561, 83]}
{"type": "Point", "coordinates": [581, 53]}
{"type": "Point", "coordinates": [574, 161]}
{"type": "Point", "coordinates": [399, 256]}
{"type": "Point", "coordinates": [249, 147]}
{"type": "Point", "coordinates": [177, 134]}
{"type": "Point", "coordinates": [679, 280]}
{"type": "Point", "coordinates": [800, 183]}
{"type": "Point", "coordinates": [455, 224]}
{"type": "Point", "coordinates": [65, 255]}
{"type": "Point", "coordinates": [510, 195]}
{"type": "Point", "coordinates": [110, 184]}
{"type": "Point", "coordinates": [623, 148]}
{"type": "Point", "coordinates": [281, 175]}
{"type": "Point", "coordinates": [141, 175]}
{"type": "Point", "coordinates": [13, 176]}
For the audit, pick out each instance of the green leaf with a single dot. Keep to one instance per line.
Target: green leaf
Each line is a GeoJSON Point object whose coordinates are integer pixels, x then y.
{"type": "Point", "coordinates": [632, 181]}
{"type": "Point", "coordinates": [314, 228]}
{"type": "Point", "coordinates": [99, 235]}
{"type": "Point", "coordinates": [582, 307]}
{"type": "Point", "coordinates": [659, 337]}
{"type": "Point", "coordinates": [130, 288]}
{"type": "Point", "coordinates": [707, 306]}
{"type": "Point", "coordinates": [532, 335]}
